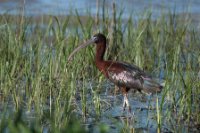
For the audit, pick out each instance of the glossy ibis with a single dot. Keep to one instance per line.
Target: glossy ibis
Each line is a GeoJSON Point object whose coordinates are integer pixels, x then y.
{"type": "Point", "coordinates": [124, 75]}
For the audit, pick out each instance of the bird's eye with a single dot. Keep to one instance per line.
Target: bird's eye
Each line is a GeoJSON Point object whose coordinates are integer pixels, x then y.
{"type": "Point", "coordinates": [95, 39]}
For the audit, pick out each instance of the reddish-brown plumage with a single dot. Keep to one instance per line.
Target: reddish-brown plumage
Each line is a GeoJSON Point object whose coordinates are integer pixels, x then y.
{"type": "Point", "coordinates": [124, 75]}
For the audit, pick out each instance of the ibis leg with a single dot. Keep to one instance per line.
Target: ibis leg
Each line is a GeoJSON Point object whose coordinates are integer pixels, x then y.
{"type": "Point", "coordinates": [126, 102]}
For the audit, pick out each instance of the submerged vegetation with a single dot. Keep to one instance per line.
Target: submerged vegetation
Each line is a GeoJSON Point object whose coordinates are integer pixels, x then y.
{"type": "Point", "coordinates": [41, 92]}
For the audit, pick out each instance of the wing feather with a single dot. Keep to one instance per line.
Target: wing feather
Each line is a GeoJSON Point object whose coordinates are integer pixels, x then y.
{"type": "Point", "coordinates": [131, 76]}
{"type": "Point", "coordinates": [125, 74]}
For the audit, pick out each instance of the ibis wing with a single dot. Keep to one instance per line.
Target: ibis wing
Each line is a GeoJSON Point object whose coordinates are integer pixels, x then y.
{"type": "Point", "coordinates": [124, 74]}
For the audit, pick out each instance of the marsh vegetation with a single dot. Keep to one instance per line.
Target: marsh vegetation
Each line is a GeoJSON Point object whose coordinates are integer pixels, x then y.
{"type": "Point", "coordinates": [41, 92]}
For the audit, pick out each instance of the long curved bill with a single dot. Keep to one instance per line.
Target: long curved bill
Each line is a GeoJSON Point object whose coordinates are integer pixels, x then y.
{"type": "Point", "coordinates": [80, 47]}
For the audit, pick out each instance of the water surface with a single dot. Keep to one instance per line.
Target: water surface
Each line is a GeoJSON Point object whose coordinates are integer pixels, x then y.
{"type": "Point", "coordinates": [66, 7]}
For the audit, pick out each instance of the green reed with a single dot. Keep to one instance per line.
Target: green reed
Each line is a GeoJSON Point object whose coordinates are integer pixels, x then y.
{"type": "Point", "coordinates": [35, 77]}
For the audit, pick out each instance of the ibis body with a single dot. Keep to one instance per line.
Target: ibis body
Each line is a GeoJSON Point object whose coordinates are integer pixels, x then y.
{"type": "Point", "coordinates": [124, 75]}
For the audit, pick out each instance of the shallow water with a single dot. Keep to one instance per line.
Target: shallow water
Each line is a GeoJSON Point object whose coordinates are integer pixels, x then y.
{"type": "Point", "coordinates": [66, 7]}
{"type": "Point", "coordinates": [143, 116]}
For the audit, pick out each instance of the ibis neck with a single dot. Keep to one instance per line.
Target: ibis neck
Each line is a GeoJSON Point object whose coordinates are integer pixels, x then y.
{"type": "Point", "coordinates": [100, 51]}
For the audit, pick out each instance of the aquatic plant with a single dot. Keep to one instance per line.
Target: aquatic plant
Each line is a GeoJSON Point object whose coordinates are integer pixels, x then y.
{"type": "Point", "coordinates": [40, 91]}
